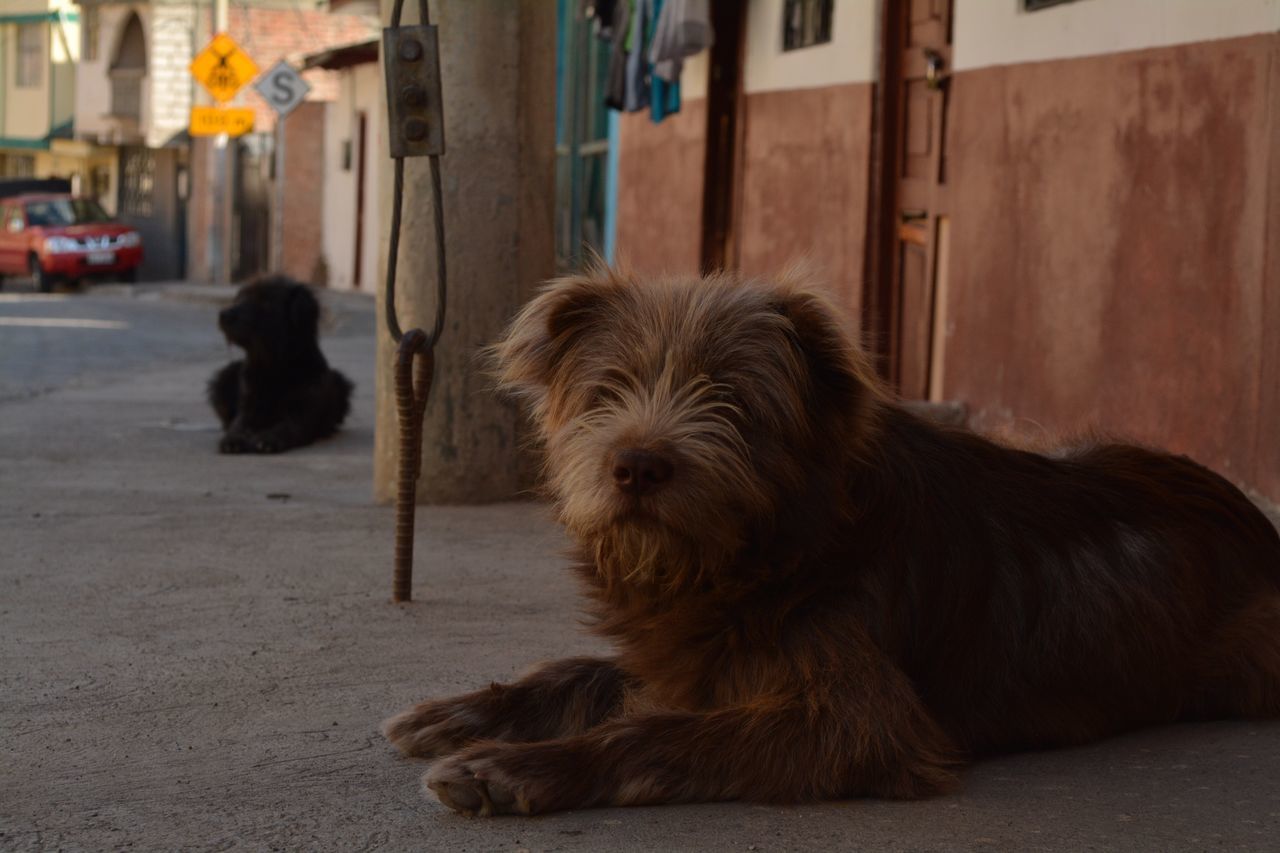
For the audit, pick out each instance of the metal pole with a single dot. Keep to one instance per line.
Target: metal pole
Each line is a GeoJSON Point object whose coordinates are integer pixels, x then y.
{"type": "Point", "coordinates": [277, 239]}
{"type": "Point", "coordinates": [220, 250]}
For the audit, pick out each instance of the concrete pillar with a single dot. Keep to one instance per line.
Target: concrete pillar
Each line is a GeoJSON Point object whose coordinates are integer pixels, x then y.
{"type": "Point", "coordinates": [497, 63]}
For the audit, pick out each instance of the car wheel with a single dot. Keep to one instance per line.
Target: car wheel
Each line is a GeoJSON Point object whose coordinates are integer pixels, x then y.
{"type": "Point", "coordinates": [129, 276]}
{"type": "Point", "coordinates": [43, 281]}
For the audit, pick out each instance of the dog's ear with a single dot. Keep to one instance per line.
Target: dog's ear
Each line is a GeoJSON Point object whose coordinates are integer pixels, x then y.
{"type": "Point", "coordinates": [528, 356]}
{"type": "Point", "coordinates": [835, 363]}
{"type": "Point", "coordinates": [304, 311]}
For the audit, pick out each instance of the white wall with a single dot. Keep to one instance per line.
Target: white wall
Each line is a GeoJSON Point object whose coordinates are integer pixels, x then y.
{"type": "Point", "coordinates": [850, 56]}
{"type": "Point", "coordinates": [169, 84]}
{"type": "Point", "coordinates": [999, 32]}
{"type": "Point", "coordinates": [93, 85]}
{"type": "Point", "coordinates": [168, 87]}
{"type": "Point", "coordinates": [693, 79]}
{"type": "Point", "coordinates": [359, 88]}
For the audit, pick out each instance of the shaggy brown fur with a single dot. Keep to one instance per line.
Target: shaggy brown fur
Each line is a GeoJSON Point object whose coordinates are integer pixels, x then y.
{"type": "Point", "coordinates": [814, 593]}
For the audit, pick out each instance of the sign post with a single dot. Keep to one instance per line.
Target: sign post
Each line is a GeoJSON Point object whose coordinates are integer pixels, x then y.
{"type": "Point", "coordinates": [284, 89]}
{"type": "Point", "coordinates": [223, 69]}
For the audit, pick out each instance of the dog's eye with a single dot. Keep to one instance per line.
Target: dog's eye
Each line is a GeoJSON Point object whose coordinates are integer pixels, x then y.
{"type": "Point", "coordinates": [609, 388]}
{"type": "Point", "coordinates": [605, 392]}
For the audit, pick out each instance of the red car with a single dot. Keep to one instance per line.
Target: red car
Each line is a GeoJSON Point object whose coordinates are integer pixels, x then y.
{"type": "Point", "coordinates": [60, 237]}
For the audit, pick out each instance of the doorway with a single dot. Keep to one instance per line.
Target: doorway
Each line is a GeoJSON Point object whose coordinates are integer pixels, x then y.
{"type": "Point", "coordinates": [724, 135]}
{"type": "Point", "coordinates": [909, 215]}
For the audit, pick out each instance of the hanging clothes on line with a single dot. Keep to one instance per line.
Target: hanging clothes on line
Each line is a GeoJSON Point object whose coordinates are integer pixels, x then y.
{"type": "Point", "coordinates": [637, 97]}
{"type": "Point", "coordinates": [650, 41]}
{"type": "Point", "coordinates": [601, 13]}
{"type": "Point", "coordinates": [683, 30]}
{"type": "Point", "coordinates": [615, 87]}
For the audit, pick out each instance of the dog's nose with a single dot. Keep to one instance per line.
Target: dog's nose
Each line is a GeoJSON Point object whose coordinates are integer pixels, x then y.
{"type": "Point", "coordinates": [639, 472]}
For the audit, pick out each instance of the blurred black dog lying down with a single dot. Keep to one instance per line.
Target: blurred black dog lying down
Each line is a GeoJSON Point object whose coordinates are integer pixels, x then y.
{"type": "Point", "coordinates": [283, 394]}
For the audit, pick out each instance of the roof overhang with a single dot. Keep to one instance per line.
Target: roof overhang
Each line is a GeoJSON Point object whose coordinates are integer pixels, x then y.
{"type": "Point", "coordinates": [346, 56]}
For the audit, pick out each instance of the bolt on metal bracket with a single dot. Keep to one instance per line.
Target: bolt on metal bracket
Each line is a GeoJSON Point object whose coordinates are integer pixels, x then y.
{"type": "Point", "coordinates": [415, 115]}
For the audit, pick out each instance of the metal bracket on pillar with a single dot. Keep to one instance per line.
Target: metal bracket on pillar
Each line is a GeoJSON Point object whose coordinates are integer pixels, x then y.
{"type": "Point", "coordinates": [415, 116]}
{"type": "Point", "coordinates": [414, 112]}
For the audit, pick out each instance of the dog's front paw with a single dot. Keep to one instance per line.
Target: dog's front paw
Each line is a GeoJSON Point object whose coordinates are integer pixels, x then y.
{"type": "Point", "coordinates": [475, 782]}
{"type": "Point", "coordinates": [234, 443]}
{"type": "Point", "coordinates": [266, 444]}
{"type": "Point", "coordinates": [438, 728]}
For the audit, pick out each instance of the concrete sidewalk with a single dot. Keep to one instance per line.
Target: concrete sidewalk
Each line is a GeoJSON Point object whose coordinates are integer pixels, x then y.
{"type": "Point", "coordinates": [196, 651]}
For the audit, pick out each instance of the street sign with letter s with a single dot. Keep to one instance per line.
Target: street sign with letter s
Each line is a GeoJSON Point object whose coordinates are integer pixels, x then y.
{"type": "Point", "coordinates": [282, 88]}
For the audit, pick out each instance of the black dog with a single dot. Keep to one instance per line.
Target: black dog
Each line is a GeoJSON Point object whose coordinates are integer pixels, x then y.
{"type": "Point", "coordinates": [283, 394]}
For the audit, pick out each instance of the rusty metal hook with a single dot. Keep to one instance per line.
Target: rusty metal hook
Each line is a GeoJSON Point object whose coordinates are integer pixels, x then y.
{"type": "Point", "coordinates": [413, 388]}
{"type": "Point", "coordinates": [415, 356]}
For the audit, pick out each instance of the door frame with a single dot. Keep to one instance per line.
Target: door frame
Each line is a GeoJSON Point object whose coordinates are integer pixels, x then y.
{"type": "Point", "coordinates": [882, 315]}
{"type": "Point", "coordinates": [361, 152]}
{"type": "Point", "coordinates": [726, 126]}
{"type": "Point", "coordinates": [880, 298]}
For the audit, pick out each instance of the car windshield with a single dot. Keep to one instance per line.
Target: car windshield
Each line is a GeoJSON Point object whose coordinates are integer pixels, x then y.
{"type": "Point", "coordinates": [65, 211]}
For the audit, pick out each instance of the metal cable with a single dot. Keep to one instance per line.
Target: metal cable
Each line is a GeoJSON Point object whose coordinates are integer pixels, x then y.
{"type": "Point", "coordinates": [415, 359]}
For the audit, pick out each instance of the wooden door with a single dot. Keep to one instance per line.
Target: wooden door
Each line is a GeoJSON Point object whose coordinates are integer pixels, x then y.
{"type": "Point", "coordinates": [913, 183]}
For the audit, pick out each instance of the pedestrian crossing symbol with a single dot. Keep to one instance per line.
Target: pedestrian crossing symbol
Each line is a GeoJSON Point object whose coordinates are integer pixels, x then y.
{"type": "Point", "coordinates": [223, 68]}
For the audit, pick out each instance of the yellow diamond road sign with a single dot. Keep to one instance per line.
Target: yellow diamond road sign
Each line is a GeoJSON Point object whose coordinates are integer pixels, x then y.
{"type": "Point", "coordinates": [223, 68]}
{"type": "Point", "coordinates": [211, 121]}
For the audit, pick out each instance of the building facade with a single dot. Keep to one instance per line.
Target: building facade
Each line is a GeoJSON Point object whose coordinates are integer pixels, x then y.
{"type": "Point", "coordinates": [269, 32]}
{"type": "Point", "coordinates": [354, 143]}
{"type": "Point", "coordinates": [1059, 214]}
{"type": "Point", "coordinates": [133, 95]}
{"type": "Point", "coordinates": [39, 46]}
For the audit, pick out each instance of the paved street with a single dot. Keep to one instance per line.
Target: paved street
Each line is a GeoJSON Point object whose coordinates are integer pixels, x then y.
{"type": "Point", "coordinates": [196, 651]}
{"type": "Point", "coordinates": [55, 340]}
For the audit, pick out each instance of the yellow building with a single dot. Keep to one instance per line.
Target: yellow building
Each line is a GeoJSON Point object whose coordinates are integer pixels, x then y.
{"type": "Point", "coordinates": [39, 48]}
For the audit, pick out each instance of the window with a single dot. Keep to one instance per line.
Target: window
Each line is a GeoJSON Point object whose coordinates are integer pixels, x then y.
{"type": "Point", "coordinates": [31, 56]}
{"type": "Point", "coordinates": [60, 212]}
{"type": "Point", "coordinates": [19, 166]}
{"type": "Point", "coordinates": [89, 30]}
{"type": "Point", "coordinates": [806, 23]}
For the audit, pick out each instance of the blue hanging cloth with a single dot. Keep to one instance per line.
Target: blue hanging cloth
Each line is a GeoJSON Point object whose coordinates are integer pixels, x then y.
{"type": "Point", "coordinates": [664, 97]}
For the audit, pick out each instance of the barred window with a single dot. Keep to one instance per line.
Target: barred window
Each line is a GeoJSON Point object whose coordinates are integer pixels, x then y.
{"type": "Point", "coordinates": [137, 183]}
{"type": "Point", "coordinates": [31, 56]}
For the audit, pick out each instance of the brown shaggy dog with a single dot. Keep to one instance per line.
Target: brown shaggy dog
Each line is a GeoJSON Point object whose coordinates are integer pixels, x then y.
{"type": "Point", "coordinates": [814, 593]}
